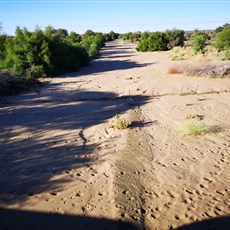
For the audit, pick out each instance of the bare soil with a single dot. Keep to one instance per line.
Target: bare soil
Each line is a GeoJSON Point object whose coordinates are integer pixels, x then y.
{"type": "Point", "coordinates": [62, 167]}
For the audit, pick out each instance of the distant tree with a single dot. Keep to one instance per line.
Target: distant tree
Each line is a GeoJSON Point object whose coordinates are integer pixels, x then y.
{"type": "Point", "coordinates": [113, 35]}
{"type": "Point", "coordinates": [220, 28]}
{"type": "Point", "coordinates": [87, 34]}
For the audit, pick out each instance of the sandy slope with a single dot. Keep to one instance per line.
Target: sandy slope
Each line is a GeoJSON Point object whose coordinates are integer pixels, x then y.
{"type": "Point", "coordinates": [59, 156]}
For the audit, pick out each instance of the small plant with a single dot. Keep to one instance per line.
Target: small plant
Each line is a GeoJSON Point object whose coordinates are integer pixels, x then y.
{"type": "Point", "coordinates": [199, 98]}
{"type": "Point", "coordinates": [180, 93]}
{"type": "Point", "coordinates": [196, 128]}
{"type": "Point", "coordinates": [193, 116]}
{"type": "Point", "coordinates": [119, 122]}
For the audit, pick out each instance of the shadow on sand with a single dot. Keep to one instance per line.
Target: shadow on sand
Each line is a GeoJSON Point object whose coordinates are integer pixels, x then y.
{"type": "Point", "coordinates": [41, 139]}
{"type": "Point", "coordinates": [22, 220]}
{"type": "Point", "coordinates": [101, 66]}
{"type": "Point", "coordinates": [218, 223]}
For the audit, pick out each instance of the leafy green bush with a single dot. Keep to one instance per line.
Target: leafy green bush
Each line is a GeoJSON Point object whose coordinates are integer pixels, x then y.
{"type": "Point", "coordinates": [199, 42]}
{"type": "Point", "coordinates": [50, 52]}
{"type": "Point", "coordinates": [175, 38]}
{"type": "Point", "coordinates": [111, 36]}
{"type": "Point", "coordinates": [143, 45]}
{"type": "Point", "coordinates": [93, 44]}
{"type": "Point", "coordinates": [157, 41]}
{"type": "Point", "coordinates": [220, 28]}
{"type": "Point", "coordinates": [223, 39]}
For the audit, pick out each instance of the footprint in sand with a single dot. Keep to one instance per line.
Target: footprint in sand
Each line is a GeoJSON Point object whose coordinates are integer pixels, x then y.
{"type": "Point", "coordinates": [54, 193]}
{"type": "Point", "coordinates": [79, 194]}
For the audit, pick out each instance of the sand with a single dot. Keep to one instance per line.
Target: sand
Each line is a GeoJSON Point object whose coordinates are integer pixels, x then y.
{"type": "Point", "coordinates": [62, 167]}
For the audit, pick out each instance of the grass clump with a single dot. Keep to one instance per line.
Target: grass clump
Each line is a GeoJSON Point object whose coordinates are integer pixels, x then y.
{"type": "Point", "coordinates": [194, 116]}
{"type": "Point", "coordinates": [196, 128]}
{"type": "Point", "coordinates": [120, 122]}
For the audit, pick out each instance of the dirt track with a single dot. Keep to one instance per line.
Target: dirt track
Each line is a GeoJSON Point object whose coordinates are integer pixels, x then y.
{"type": "Point", "coordinates": [61, 164]}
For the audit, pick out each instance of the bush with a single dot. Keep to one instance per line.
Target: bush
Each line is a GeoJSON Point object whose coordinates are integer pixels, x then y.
{"type": "Point", "coordinates": [175, 38]}
{"type": "Point", "coordinates": [119, 122]}
{"type": "Point", "coordinates": [223, 41]}
{"type": "Point", "coordinates": [111, 36]}
{"type": "Point", "coordinates": [199, 42]}
{"type": "Point", "coordinates": [52, 52]}
{"type": "Point", "coordinates": [35, 72]}
{"type": "Point", "coordinates": [196, 128]}
{"type": "Point", "coordinates": [157, 41]}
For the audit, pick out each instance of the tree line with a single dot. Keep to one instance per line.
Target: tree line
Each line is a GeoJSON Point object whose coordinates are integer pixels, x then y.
{"type": "Point", "coordinates": [50, 52]}
{"type": "Point", "coordinates": [162, 41]}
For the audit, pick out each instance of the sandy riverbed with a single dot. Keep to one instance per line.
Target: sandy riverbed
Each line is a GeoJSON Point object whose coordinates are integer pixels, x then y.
{"type": "Point", "coordinates": [61, 166]}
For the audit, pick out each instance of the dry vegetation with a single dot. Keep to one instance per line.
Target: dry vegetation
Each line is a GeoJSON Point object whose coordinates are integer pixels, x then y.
{"type": "Point", "coordinates": [210, 70]}
{"type": "Point", "coordinates": [196, 128]}
{"type": "Point", "coordinates": [120, 122]}
{"type": "Point", "coordinates": [211, 63]}
{"type": "Point", "coordinates": [10, 85]}
{"type": "Point", "coordinates": [186, 53]}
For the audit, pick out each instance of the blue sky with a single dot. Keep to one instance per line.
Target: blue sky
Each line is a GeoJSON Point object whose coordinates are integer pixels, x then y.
{"type": "Point", "coordinates": [119, 16]}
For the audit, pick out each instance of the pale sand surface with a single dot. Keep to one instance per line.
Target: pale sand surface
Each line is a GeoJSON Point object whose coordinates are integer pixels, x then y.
{"type": "Point", "coordinates": [62, 167]}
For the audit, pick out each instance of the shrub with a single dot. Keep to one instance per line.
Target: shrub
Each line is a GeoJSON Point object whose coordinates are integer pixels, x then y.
{"type": "Point", "coordinates": [35, 72]}
{"type": "Point", "coordinates": [143, 45]}
{"type": "Point", "coordinates": [119, 122]}
{"type": "Point", "coordinates": [175, 38]}
{"type": "Point", "coordinates": [199, 42]}
{"type": "Point", "coordinates": [220, 28]}
{"type": "Point", "coordinates": [157, 41]}
{"type": "Point", "coordinates": [196, 128]}
{"type": "Point", "coordinates": [194, 116]}
{"type": "Point", "coordinates": [111, 36]}
{"type": "Point", "coordinates": [207, 70]}
{"type": "Point", "coordinates": [223, 41]}
{"type": "Point", "coordinates": [38, 53]}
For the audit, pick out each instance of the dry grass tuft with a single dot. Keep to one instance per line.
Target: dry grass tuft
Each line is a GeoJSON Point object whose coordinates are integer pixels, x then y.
{"type": "Point", "coordinates": [194, 116]}
{"type": "Point", "coordinates": [196, 128]}
{"type": "Point", "coordinates": [208, 70]}
{"type": "Point", "coordinates": [119, 122]}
